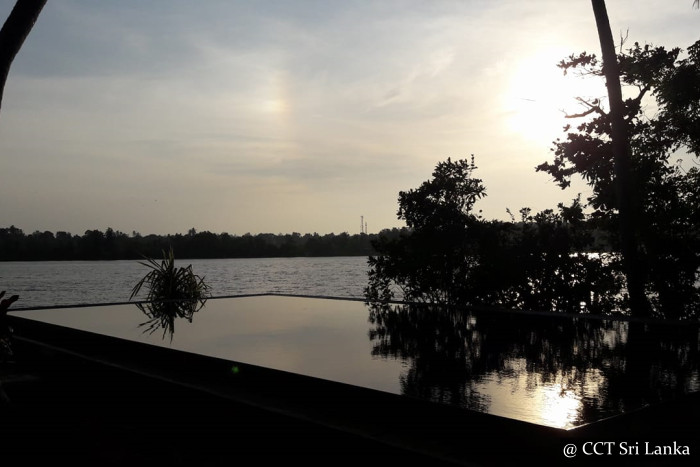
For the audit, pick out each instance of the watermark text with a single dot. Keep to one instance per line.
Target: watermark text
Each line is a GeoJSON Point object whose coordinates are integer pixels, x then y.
{"type": "Point", "coordinates": [626, 448]}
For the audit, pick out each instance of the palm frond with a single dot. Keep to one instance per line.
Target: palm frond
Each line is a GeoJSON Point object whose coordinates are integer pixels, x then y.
{"type": "Point", "coordinates": [172, 293]}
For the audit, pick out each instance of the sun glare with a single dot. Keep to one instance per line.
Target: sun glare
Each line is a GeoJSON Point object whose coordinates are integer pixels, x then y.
{"type": "Point", "coordinates": [539, 96]}
{"type": "Point", "coordinates": [274, 106]}
{"type": "Point", "coordinates": [274, 95]}
{"type": "Point", "coordinates": [560, 407]}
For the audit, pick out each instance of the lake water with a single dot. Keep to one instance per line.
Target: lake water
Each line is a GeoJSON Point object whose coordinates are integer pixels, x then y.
{"type": "Point", "coordinates": [49, 283]}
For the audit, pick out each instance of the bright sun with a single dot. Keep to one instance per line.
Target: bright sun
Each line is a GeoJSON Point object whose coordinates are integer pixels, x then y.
{"type": "Point", "coordinates": [539, 96]}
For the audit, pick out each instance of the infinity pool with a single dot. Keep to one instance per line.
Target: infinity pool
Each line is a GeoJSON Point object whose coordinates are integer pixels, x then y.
{"type": "Point", "coordinates": [557, 371]}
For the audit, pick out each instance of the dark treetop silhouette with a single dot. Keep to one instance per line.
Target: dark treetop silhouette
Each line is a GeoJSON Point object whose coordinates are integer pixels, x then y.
{"type": "Point", "coordinates": [451, 255]}
{"type": "Point", "coordinates": [111, 244]}
{"type": "Point", "coordinates": [667, 194]}
{"type": "Point", "coordinates": [620, 147]}
{"type": "Point", "coordinates": [14, 32]}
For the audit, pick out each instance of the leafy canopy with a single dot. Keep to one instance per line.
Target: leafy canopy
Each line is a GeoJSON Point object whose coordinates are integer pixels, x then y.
{"type": "Point", "coordinates": [662, 116]}
{"type": "Point", "coordinates": [568, 259]}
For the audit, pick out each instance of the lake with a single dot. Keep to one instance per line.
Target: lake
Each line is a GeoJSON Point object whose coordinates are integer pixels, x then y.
{"type": "Point", "coordinates": [50, 283]}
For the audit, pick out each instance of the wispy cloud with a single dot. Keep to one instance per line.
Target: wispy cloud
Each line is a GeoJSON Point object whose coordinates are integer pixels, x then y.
{"type": "Point", "coordinates": [279, 115]}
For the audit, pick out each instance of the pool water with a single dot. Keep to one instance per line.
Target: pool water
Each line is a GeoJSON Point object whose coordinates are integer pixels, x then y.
{"type": "Point", "coordinates": [557, 371]}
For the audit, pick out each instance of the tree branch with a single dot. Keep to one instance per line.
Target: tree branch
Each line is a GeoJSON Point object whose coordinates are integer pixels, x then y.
{"type": "Point", "coordinates": [592, 108]}
{"type": "Point", "coordinates": [14, 32]}
{"type": "Point", "coordinates": [642, 92]}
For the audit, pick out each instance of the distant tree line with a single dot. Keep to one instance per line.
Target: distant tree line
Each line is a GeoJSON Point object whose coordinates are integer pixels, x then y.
{"type": "Point", "coordinates": [111, 244]}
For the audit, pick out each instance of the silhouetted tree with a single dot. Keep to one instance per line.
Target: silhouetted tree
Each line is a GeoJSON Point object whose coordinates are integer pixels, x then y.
{"type": "Point", "coordinates": [450, 255]}
{"type": "Point", "coordinates": [548, 261]}
{"type": "Point", "coordinates": [13, 33]}
{"type": "Point", "coordinates": [626, 205]}
{"type": "Point", "coordinates": [666, 194]}
{"type": "Point", "coordinates": [113, 244]}
{"type": "Point", "coordinates": [435, 261]}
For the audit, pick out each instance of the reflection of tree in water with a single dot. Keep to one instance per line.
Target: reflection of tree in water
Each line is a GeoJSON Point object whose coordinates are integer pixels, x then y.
{"type": "Point", "coordinates": [443, 348]}
{"type": "Point", "coordinates": [610, 366]}
{"type": "Point", "coordinates": [654, 363]}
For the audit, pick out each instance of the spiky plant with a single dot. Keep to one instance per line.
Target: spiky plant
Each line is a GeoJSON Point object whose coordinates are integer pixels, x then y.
{"type": "Point", "coordinates": [5, 329]}
{"type": "Point", "coordinates": [172, 293]}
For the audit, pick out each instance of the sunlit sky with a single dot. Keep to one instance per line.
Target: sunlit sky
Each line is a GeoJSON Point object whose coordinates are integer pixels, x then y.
{"type": "Point", "coordinates": [291, 116]}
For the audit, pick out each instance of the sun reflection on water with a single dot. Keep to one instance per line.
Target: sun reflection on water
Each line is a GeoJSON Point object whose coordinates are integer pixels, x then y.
{"type": "Point", "coordinates": [560, 407]}
{"type": "Point", "coordinates": [556, 400]}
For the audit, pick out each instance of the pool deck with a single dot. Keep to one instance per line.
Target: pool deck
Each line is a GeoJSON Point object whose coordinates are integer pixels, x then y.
{"type": "Point", "coordinates": [97, 400]}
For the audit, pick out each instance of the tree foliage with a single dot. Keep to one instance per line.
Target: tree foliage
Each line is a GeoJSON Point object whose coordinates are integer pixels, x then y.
{"type": "Point", "coordinates": [662, 115]}
{"type": "Point", "coordinates": [554, 260]}
{"type": "Point", "coordinates": [112, 244]}
{"type": "Point", "coordinates": [437, 258]}
{"type": "Point", "coordinates": [452, 255]}
{"type": "Point", "coordinates": [14, 32]}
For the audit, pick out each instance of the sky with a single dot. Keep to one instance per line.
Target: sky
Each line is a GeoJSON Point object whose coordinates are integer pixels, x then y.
{"type": "Point", "coordinates": [292, 116]}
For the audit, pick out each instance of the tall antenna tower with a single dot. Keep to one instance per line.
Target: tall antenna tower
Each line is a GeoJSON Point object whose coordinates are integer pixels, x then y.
{"type": "Point", "coordinates": [362, 224]}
